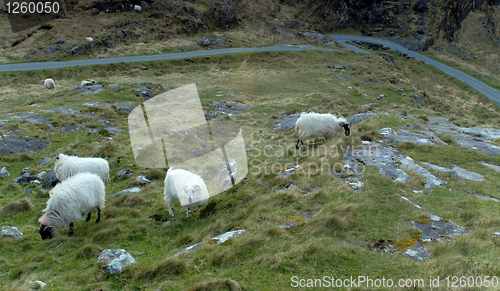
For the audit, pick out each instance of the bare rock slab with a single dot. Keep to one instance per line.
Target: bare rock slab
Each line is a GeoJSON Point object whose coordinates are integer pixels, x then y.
{"type": "Point", "coordinates": [438, 229]}
{"type": "Point", "coordinates": [11, 232]}
{"type": "Point", "coordinates": [418, 252]}
{"type": "Point", "coordinates": [114, 260]}
{"type": "Point", "coordinates": [461, 173]}
{"type": "Point", "coordinates": [134, 190]}
{"type": "Point", "coordinates": [388, 160]}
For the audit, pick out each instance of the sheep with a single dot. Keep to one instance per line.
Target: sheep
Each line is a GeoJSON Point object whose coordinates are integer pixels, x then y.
{"type": "Point", "coordinates": [311, 125]}
{"type": "Point", "coordinates": [68, 200]}
{"type": "Point", "coordinates": [49, 83]}
{"type": "Point", "coordinates": [84, 83]}
{"type": "Point", "coordinates": [89, 39]}
{"type": "Point", "coordinates": [138, 8]}
{"type": "Point", "coordinates": [188, 188]}
{"type": "Point", "coordinates": [67, 166]}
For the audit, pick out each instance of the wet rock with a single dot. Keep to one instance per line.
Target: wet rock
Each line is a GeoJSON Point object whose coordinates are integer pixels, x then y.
{"type": "Point", "coordinates": [51, 180]}
{"type": "Point", "coordinates": [32, 117]}
{"type": "Point", "coordinates": [225, 107]}
{"type": "Point", "coordinates": [44, 161]}
{"type": "Point", "coordinates": [9, 145]}
{"type": "Point", "coordinates": [11, 232]}
{"type": "Point", "coordinates": [146, 93]}
{"type": "Point", "coordinates": [134, 190]}
{"type": "Point", "coordinates": [4, 172]}
{"type": "Point", "coordinates": [114, 260]}
{"type": "Point", "coordinates": [89, 89]}
{"type": "Point", "coordinates": [286, 122]}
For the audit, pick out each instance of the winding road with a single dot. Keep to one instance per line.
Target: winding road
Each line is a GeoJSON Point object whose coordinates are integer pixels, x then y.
{"type": "Point", "coordinates": [488, 91]}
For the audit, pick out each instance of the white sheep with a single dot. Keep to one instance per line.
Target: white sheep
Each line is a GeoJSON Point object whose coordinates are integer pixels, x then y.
{"type": "Point", "coordinates": [67, 166]}
{"type": "Point", "coordinates": [49, 83]}
{"type": "Point", "coordinates": [68, 200]}
{"type": "Point", "coordinates": [311, 125]}
{"type": "Point", "coordinates": [188, 188]}
{"type": "Point", "coordinates": [84, 83]}
{"type": "Point", "coordinates": [138, 8]}
{"type": "Point", "coordinates": [89, 39]}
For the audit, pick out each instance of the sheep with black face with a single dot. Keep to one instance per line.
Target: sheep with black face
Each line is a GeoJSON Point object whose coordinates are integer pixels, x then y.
{"type": "Point", "coordinates": [312, 125]}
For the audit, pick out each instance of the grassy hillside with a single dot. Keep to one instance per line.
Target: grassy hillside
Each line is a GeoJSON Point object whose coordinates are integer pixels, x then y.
{"type": "Point", "coordinates": [342, 237]}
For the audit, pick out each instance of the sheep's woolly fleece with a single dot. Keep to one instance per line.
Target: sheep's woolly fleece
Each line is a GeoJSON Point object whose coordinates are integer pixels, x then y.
{"type": "Point", "coordinates": [67, 166]}
{"type": "Point", "coordinates": [72, 197]}
{"type": "Point", "coordinates": [187, 187]}
{"type": "Point", "coordinates": [49, 83]}
{"type": "Point", "coordinates": [311, 125]}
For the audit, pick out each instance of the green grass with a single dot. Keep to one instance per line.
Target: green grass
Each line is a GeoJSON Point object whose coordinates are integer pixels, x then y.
{"type": "Point", "coordinates": [345, 224]}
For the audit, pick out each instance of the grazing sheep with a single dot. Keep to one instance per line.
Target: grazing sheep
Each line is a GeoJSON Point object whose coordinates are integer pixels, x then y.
{"type": "Point", "coordinates": [311, 125]}
{"type": "Point", "coordinates": [84, 83]}
{"type": "Point", "coordinates": [68, 200]}
{"type": "Point", "coordinates": [49, 83]}
{"type": "Point", "coordinates": [67, 166]}
{"type": "Point", "coordinates": [188, 188]}
{"type": "Point", "coordinates": [137, 8]}
{"type": "Point", "coordinates": [89, 39]}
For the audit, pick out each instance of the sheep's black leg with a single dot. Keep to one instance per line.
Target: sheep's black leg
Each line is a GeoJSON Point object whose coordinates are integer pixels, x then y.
{"type": "Point", "coordinates": [88, 217]}
{"type": "Point", "coordinates": [98, 215]}
{"type": "Point", "coordinates": [298, 143]}
{"type": "Point", "coordinates": [71, 226]}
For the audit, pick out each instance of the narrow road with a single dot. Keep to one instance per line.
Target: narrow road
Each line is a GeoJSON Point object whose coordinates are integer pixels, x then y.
{"type": "Point", "coordinates": [488, 91]}
{"type": "Point", "coordinates": [54, 65]}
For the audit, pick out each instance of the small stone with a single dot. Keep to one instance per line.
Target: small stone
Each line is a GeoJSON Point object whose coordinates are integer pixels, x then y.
{"type": "Point", "coordinates": [11, 232]}
{"type": "Point", "coordinates": [197, 153]}
{"type": "Point", "coordinates": [381, 97]}
{"type": "Point", "coordinates": [4, 173]}
{"type": "Point", "coordinates": [28, 191]}
{"type": "Point", "coordinates": [122, 173]}
{"type": "Point", "coordinates": [44, 161]}
{"type": "Point", "coordinates": [128, 191]}
{"type": "Point", "coordinates": [269, 149]}
{"type": "Point", "coordinates": [142, 180]}
{"type": "Point", "coordinates": [281, 111]}
{"type": "Point", "coordinates": [114, 260]}
{"type": "Point", "coordinates": [51, 180]}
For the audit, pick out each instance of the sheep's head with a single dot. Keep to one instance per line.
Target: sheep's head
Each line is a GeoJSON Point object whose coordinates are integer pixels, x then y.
{"type": "Point", "coordinates": [190, 191]}
{"type": "Point", "coordinates": [346, 127]}
{"type": "Point", "coordinates": [47, 231]}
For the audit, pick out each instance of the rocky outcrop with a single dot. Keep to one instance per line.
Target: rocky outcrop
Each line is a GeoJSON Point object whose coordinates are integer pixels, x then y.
{"type": "Point", "coordinates": [454, 13]}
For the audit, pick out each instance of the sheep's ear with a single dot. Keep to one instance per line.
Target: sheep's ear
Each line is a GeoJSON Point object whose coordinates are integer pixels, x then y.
{"type": "Point", "coordinates": [197, 187]}
{"type": "Point", "coordinates": [341, 123]}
